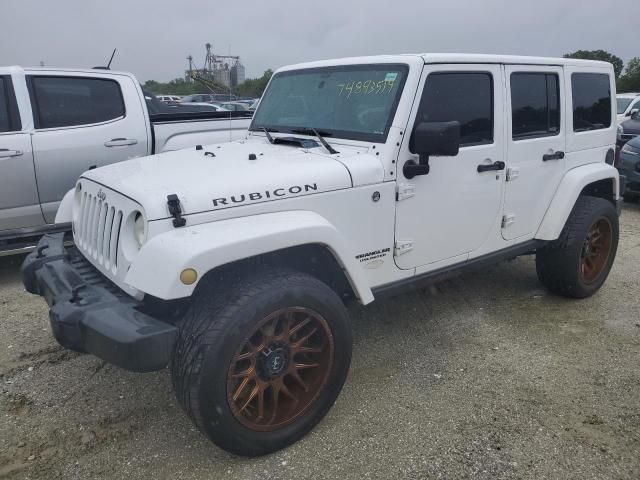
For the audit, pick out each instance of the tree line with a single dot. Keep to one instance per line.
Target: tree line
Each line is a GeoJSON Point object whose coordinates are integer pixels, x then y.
{"type": "Point", "coordinates": [627, 78]}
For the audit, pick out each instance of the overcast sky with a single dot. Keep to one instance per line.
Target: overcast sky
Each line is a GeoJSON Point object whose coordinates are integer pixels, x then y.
{"type": "Point", "coordinates": [153, 38]}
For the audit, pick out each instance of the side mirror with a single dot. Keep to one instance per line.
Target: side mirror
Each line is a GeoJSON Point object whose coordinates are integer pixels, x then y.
{"type": "Point", "coordinates": [634, 113]}
{"type": "Point", "coordinates": [441, 139]}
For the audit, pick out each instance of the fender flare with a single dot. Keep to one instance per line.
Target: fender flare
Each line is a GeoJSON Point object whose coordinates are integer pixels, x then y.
{"type": "Point", "coordinates": [156, 268]}
{"type": "Point", "coordinates": [572, 184]}
{"type": "Point", "coordinates": [65, 209]}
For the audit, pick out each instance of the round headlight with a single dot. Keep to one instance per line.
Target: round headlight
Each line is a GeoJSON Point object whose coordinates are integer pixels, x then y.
{"type": "Point", "coordinates": [138, 228]}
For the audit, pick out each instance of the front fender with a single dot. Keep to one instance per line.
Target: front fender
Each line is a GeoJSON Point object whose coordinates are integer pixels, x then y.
{"type": "Point", "coordinates": [156, 269]}
{"type": "Point", "coordinates": [570, 187]}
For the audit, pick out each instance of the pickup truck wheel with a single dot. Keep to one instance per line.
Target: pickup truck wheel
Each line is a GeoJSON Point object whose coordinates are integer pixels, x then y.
{"type": "Point", "coordinates": [258, 364]}
{"type": "Point", "coordinates": [578, 262]}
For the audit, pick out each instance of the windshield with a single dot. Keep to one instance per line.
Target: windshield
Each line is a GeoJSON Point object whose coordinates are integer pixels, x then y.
{"type": "Point", "coordinates": [356, 102]}
{"type": "Point", "coordinates": [623, 103]}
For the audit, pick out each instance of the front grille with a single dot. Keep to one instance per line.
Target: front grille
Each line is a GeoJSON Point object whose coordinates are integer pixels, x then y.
{"type": "Point", "coordinates": [97, 230]}
{"type": "Point", "coordinates": [91, 274]}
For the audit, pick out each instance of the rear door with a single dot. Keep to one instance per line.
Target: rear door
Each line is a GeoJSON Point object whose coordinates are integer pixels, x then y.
{"type": "Point", "coordinates": [81, 122]}
{"type": "Point", "coordinates": [19, 205]}
{"type": "Point", "coordinates": [535, 146]}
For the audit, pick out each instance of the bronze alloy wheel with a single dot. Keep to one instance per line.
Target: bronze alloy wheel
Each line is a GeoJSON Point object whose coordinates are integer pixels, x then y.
{"type": "Point", "coordinates": [280, 369]}
{"type": "Point", "coordinates": [596, 250]}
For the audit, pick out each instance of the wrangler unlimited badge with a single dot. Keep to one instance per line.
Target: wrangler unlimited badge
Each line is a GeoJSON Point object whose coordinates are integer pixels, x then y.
{"type": "Point", "coordinates": [265, 195]}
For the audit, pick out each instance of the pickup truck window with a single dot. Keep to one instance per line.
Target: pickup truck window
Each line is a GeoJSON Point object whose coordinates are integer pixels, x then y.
{"type": "Point", "coordinates": [356, 102]}
{"type": "Point", "coordinates": [74, 101]}
{"type": "Point", "coordinates": [535, 105]}
{"type": "Point", "coordinates": [9, 118]}
{"type": "Point", "coordinates": [466, 97]}
{"type": "Point", "coordinates": [591, 101]}
{"type": "Point", "coordinates": [5, 123]}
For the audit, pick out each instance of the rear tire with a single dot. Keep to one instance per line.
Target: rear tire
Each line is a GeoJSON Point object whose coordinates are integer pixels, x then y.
{"type": "Point", "coordinates": [579, 261]}
{"type": "Point", "coordinates": [247, 351]}
{"type": "Point", "coordinates": [630, 198]}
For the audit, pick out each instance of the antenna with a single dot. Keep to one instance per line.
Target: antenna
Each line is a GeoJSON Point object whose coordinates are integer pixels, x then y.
{"type": "Point", "coordinates": [108, 64]}
{"type": "Point", "coordinates": [111, 59]}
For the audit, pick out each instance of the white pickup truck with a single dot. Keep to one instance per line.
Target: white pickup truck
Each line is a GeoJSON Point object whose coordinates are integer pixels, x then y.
{"type": "Point", "coordinates": [57, 123]}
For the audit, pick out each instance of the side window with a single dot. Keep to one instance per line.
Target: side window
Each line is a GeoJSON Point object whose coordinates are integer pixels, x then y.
{"type": "Point", "coordinates": [9, 118]}
{"type": "Point", "coordinates": [72, 101]}
{"type": "Point", "coordinates": [591, 101]}
{"type": "Point", "coordinates": [463, 96]}
{"type": "Point", "coordinates": [535, 105]}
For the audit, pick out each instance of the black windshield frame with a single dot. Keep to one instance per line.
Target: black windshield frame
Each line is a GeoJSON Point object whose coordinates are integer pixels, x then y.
{"type": "Point", "coordinates": [341, 134]}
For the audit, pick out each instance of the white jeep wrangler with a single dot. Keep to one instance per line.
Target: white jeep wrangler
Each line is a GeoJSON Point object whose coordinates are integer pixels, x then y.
{"type": "Point", "coordinates": [232, 263]}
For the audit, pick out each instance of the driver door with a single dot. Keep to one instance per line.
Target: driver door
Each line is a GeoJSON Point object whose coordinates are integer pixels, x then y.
{"type": "Point", "coordinates": [453, 210]}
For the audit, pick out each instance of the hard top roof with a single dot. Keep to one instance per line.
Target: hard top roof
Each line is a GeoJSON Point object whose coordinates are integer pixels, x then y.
{"type": "Point", "coordinates": [452, 58]}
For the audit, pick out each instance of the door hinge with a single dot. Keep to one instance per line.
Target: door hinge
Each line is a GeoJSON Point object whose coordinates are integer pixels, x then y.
{"type": "Point", "coordinates": [404, 191]}
{"type": "Point", "coordinates": [173, 203]}
{"type": "Point", "coordinates": [512, 173]}
{"type": "Point", "coordinates": [402, 246]}
{"type": "Point", "coordinates": [508, 220]}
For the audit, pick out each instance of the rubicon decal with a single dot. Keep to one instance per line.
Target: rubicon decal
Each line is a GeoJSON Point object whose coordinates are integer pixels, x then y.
{"type": "Point", "coordinates": [264, 195]}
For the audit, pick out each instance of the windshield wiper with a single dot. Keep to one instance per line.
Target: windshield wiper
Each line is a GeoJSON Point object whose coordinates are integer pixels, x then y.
{"type": "Point", "coordinates": [262, 129]}
{"type": "Point", "coordinates": [266, 132]}
{"type": "Point", "coordinates": [308, 131]}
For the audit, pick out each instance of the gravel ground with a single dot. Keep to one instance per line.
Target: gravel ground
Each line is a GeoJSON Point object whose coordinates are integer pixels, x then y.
{"type": "Point", "coordinates": [484, 376]}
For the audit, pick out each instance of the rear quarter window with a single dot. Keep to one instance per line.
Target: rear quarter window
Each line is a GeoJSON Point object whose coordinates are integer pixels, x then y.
{"type": "Point", "coordinates": [591, 94]}
{"type": "Point", "coordinates": [75, 101]}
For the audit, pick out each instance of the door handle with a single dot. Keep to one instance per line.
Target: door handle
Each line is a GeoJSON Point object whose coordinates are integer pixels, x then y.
{"type": "Point", "coordinates": [553, 156]}
{"type": "Point", "coordinates": [485, 167]}
{"type": "Point", "coordinates": [120, 142]}
{"type": "Point", "coordinates": [6, 153]}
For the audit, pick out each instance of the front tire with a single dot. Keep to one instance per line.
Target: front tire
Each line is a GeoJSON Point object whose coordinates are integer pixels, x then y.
{"type": "Point", "coordinates": [259, 363]}
{"type": "Point", "coordinates": [579, 261]}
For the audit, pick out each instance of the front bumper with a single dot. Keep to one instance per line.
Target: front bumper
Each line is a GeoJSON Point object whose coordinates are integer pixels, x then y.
{"type": "Point", "coordinates": [90, 314]}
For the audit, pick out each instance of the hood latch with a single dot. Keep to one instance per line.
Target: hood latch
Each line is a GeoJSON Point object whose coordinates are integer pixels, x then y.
{"type": "Point", "coordinates": [173, 202]}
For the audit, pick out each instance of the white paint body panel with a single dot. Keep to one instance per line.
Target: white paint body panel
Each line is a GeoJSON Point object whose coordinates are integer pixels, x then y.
{"type": "Point", "coordinates": [178, 135]}
{"type": "Point", "coordinates": [212, 244]}
{"type": "Point", "coordinates": [526, 205]}
{"type": "Point", "coordinates": [198, 178]}
{"type": "Point", "coordinates": [61, 154]}
{"type": "Point", "coordinates": [454, 206]}
{"type": "Point", "coordinates": [570, 187]}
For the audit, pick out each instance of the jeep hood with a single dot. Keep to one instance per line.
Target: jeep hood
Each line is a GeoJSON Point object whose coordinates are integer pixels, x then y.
{"type": "Point", "coordinates": [230, 175]}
